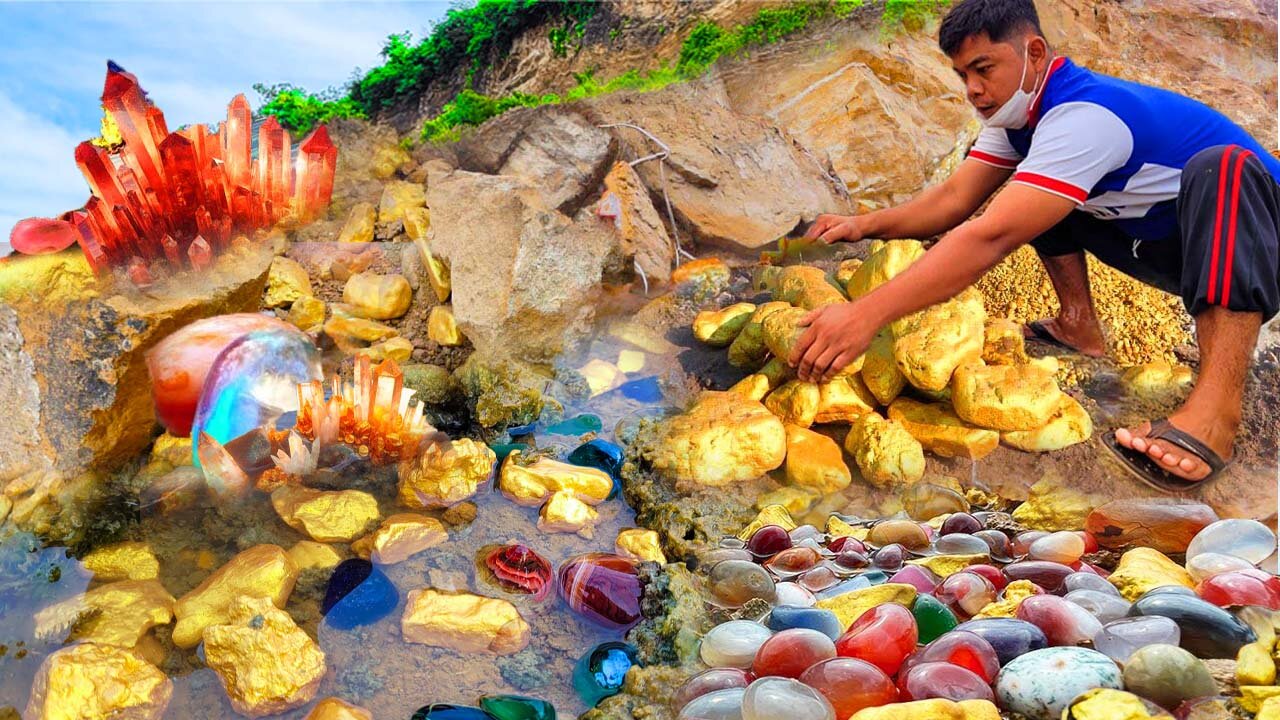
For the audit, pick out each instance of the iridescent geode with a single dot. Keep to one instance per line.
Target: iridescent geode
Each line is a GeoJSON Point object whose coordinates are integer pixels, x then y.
{"type": "Point", "coordinates": [603, 588]}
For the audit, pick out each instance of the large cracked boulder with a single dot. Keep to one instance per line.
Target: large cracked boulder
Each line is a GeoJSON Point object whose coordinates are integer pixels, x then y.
{"type": "Point", "coordinates": [76, 396]}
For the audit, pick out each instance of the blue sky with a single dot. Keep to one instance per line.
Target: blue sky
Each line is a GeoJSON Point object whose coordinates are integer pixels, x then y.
{"type": "Point", "coordinates": [191, 58]}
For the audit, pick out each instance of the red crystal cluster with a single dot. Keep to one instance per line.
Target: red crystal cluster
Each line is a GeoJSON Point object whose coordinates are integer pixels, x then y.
{"type": "Point", "coordinates": [180, 197]}
{"type": "Point", "coordinates": [372, 413]}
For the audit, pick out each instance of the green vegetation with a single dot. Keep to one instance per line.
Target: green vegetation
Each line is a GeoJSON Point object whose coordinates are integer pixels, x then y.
{"type": "Point", "coordinates": [300, 111]}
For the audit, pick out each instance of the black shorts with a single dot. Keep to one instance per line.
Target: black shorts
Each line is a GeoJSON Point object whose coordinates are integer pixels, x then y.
{"type": "Point", "coordinates": [1227, 250]}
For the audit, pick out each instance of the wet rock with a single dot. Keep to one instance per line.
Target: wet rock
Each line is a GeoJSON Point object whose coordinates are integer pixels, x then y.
{"type": "Point", "coordinates": [267, 664]}
{"type": "Point", "coordinates": [464, 622]}
{"type": "Point", "coordinates": [1053, 505]}
{"type": "Point", "coordinates": [815, 461]}
{"type": "Point", "coordinates": [442, 329]}
{"type": "Point", "coordinates": [748, 350]}
{"type": "Point", "coordinates": [307, 313]}
{"type": "Point", "coordinates": [1163, 524]}
{"type": "Point", "coordinates": [1142, 569]}
{"type": "Point", "coordinates": [732, 583]}
{"type": "Point", "coordinates": [885, 452]}
{"type": "Point", "coordinates": [309, 555]}
{"type": "Point", "coordinates": [440, 477]}
{"type": "Point", "coordinates": [1041, 684]}
{"type": "Point", "coordinates": [358, 227]}
{"type": "Point", "coordinates": [1157, 381]}
{"type": "Point", "coordinates": [941, 431]}
{"type": "Point", "coordinates": [1106, 703]}
{"type": "Point", "coordinates": [399, 537]}
{"type": "Point", "coordinates": [642, 231]}
{"type": "Point", "coordinates": [68, 682]}
{"type": "Point", "coordinates": [723, 438]}
{"type": "Point", "coordinates": [1069, 425]}
{"type": "Point", "coordinates": [719, 328]}
{"type": "Point", "coordinates": [286, 282]}
{"type": "Point", "coordinates": [640, 544]}
{"type": "Point", "coordinates": [502, 393]}
{"type": "Point", "coordinates": [600, 672]}
{"type": "Point", "coordinates": [326, 515]}
{"type": "Point", "coordinates": [795, 402]}
{"type": "Point", "coordinates": [397, 198]}
{"type": "Point", "coordinates": [515, 707]}
{"type": "Point", "coordinates": [1009, 637]}
{"type": "Point", "coordinates": [1006, 397]}
{"type": "Point", "coordinates": [564, 512]}
{"type": "Point", "coordinates": [931, 345]}
{"type": "Point", "coordinates": [534, 483]}
{"type": "Point", "coordinates": [332, 708]}
{"type": "Point", "coordinates": [850, 606]}
{"type": "Point", "coordinates": [122, 561]}
{"type": "Point", "coordinates": [261, 571]}
{"type": "Point", "coordinates": [936, 709]}
{"type": "Point", "coordinates": [117, 613]}
{"type": "Point", "coordinates": [1167, 674]}
{"type": "Point", "coordinates": [379, 297]}
{"type": "Point", "coordinates": [883, 636]}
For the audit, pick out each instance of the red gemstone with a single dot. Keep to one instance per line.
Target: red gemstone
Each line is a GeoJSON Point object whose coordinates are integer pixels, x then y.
{"type": "Point", "coordinates": [943, 680]}
{"type": "Point", "coordinates": [963, 649]}
{"type": "Point", "coordinates": [850, 684]}
{"type": "Point", "coordinates": [769, 541]}
{"type": "Point", "coordinates": [602, 587]}
{"type": "Point", "coordinates": [1063, 622]}
{"type": "Point", "coordinates": [991, 573]}
{"type": "Point", "coordinates": [843, 543]}
{"type": "Point", "coordinates": [791, 652]}
{"type": "Point", "coordinates": [1243, 587]}
{"type": "Point", "coordinates": [37, 236]}
{"type": "Point", "coordinates": [883, 636]}
{"type": "Point", "coordinates": [960, 523]}
{"type": "Point", "coordinates": [922, 579]}
{"type": "Point", "coordinates": [1048, 575]}
{"type": "Point", "coordinates": [966, 593]}
{"type": "Point", "coordinates": [793, 561]}
{"type": "Point", "coordinates": [517, 568]}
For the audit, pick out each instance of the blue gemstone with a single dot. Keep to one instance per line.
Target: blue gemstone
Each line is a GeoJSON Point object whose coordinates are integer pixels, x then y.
{"type": "Point", "coordinates": [444, 711]}
{"type": "Point", "coordinates": [502, 450]}
{"type": "Point", "coordinates": [358, 594]}
{"type": "Point", "coordinates": [600, 672]}
{"type": "Point", "coordinates": [522, 429]}
{"type": "Point", "coordinates": [603, 455]}
{"type": "Point", "coordinates": [579, 425]}
{"type": "Point", "coordinates": [786, 617]}
{"type": "Point", "coordinates": [858, 582]}
{"type": "Point", "coordinates": [645, 389]}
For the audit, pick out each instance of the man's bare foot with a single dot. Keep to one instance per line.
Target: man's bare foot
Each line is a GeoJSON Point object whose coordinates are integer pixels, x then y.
{"type": "Point", "coordinates": [1085, 338]}
{"type": "Point", "coordinates": [1215, 431]}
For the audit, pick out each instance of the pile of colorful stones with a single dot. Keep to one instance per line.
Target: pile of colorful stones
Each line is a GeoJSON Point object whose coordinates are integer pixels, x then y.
{"type": "Point", "coordinates": [954, 618]}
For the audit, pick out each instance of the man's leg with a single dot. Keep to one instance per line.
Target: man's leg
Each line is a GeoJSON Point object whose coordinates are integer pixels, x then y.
{"type": "Point", "coordinates": [1061, 250]}
{"type": "Point", "coordinates": [1229, 214]}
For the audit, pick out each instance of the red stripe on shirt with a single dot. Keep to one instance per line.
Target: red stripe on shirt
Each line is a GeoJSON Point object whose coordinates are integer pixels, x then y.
{"type": "Point", "coordinates": [1217, 226]}
{"type": "Point", "coordinates": [1231, 233]}
{"type": "Point", "coordinates": [990, 159]}
{"type": "Point", "coordinates": [1033, 116]}
{"type": "Point", "coordinates": [1062, 188]}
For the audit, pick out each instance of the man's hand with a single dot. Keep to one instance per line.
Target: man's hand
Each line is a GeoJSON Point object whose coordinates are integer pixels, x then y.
{"type": "Point", "coordinates": [834, 228]}
{"type": "Point", "coordinates": [836, 336]}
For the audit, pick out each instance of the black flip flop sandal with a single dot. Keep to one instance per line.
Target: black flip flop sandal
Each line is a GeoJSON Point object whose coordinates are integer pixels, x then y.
{"type": "Point", "coordinates": [1150, 472]}
{"type": "Point", "coordinates": [1040, 331]}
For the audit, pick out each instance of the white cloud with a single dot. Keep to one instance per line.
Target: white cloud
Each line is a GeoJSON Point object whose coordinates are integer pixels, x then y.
{"type": "Point", "coordinates": [40, 178]}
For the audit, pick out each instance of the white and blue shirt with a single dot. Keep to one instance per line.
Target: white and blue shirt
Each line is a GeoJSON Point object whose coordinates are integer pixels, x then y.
{"type": "Point", "coordinates": [1116, 148]}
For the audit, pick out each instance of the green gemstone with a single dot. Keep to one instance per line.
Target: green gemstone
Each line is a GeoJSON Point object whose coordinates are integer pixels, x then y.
{"type": "Point", "coordinates": [932, 618]}
{"type": "Point", "coordinates": [502, 450]}
{"type": "Point", "coordinates": [516, 707]}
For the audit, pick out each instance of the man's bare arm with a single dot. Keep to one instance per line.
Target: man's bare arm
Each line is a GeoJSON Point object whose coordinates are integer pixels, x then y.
{"type": "Point", "coordinates": [933, 212]}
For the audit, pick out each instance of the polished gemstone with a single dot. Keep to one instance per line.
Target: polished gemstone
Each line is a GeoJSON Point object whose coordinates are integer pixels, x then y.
{"type": "Point", "coordinates": [1248, 539]}
{"type": "Point", "coordinates": [1167, 675]}
{"type": "Point", "coordinates": [992, 573]}
{"type": "Point", "coordinates": [1060, 547]}
{"type": "Point", "coordinates": [943, 680]}
{"type": "Point", "coordinates": [445, 711]}
{"type": "Point", "coordinates": [603, 588]}
{"type": "Point", "coordinates": [961, 522]}
{"type": "Point", "coordinates": [906, 533]}
{"type": "Point", "coordinates": [711, 558]}
{"type": "Point", "coordinates": [517, 568]}
{"type": "Point", "coordinates": [1048, 575]}
{"type": "Point", "coordinates": [791, 652]}
{"type": "Point", "coordinates": [770, 698]}
{"type": "Point", "coordinates": [850, 560]}
{"type": "Point", "coordinates": [1088, 581]}
{"type": "Point", "coordinates": [918, 577]}
{"type": "Point", "coordinates": [517, 707]}
{"type": "Point", "coordinates": [600, 454]}
{"type": "Point", "coordinates": [925, 501]}
{"type": "Point", "coordinates": [889, 557]}
{"type": "Point", "coordinates": [843, 543]}
{"type": "Point", "coordinates": [1009, 637]}
{"type": "Point", "coordinates": [933, 619]}
{"type": "Point", "coordinates": [966, 593]}
{"type": "Point", "coordinates": [785, 617]}
{"type": "Point", "coordinates": [769, 541]}
{"type": "Point", "coordinates": [734, 582]}
{"type": "Point", "coordinates": [1063, 622]}
{"type": "Point", "coordinates": [789, 593]}
{"type": "Point", "coordinates": [1103, 606]}
{"type": "Point", "coordinates": [1208, 564]}
{"type": "Point", "coordinates": [1119, 639]}
{"type": "Point", "coordinates": [716, 705]}
{"type": "Point", "coordinates": [502, 450]}
{"type": "Point", "coordinates": [1207, 630]}
{"type": "Point", "coordinates": [961, 544]}
{"type": "Point", "coordinates": [1022, 541]}
{"type": "Point", "coordinates": [883, 636]}
{"type": "Point", "coordinates": [793, 561]}
{"type": "Point", "coordinates": [1041, 684]}
{"type": "Point", "coordinates": [1242, 587]}
{"type": "Point", "coordinates": [1001, 546]}
{"type": "Point", "coordinates": [709, 681]}
{"type": "Point", "coordinates": [1163, 524]}
{"type": "Point", "coordinates": [601, 671]}
{"type": "Point", "coordinates": [358, 594]}
{"type": "Point", "coordinates": [577, 425]}
{"type": "Point", "coordinates": [733, 644]}
{"type": "Point", "coordinates": [963, 649]}
{"type": "Point", "coordinates": [818, 580]}
{"type": "Point", "coordinates": [850, 685]}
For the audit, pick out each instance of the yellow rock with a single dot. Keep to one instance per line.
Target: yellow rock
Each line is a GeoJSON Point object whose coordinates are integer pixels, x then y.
{"type": "Point", "coordinates": [796, 500]}
{"type": "Point", "coordinates": [1012, 596]}
{"type": "Point", "coordinates": [98, 681]}
{"type": "Point", "coordinates": [417, 223]}
{"type": "Point", "coordinates": [564, 512]}
{"type": "Point", "coordinates": [174, 450]}
{"type": "Point", "coordinates": [941, 431]}
{"type": "Point", "coordinates": [437, 271]}
{"type": "Point", "coordinates": [267, 664]}
{"type": "Point", "coordinates": [1054, 505]}
{"type": "Point", "coordinates": [261, 571]}
{"type": "Point", "coordinates": [1254, 665]}
{"type": "Point", "coordinates": [386, 160]}
{"type": "Point", "coordinates": [1069, 426]}
{"type": "Point", "coordinates": [806, 287]}
{"type": "Point", "coordinates": [359, 225]}
{"type": "Point", "coordinates": [286, 282]}
{"type": "Point", "coordinates": [1108, 704]}
{"type": "Point", "coordinates": [851, 605]}
{"type": "Point", "coordinates": [122, 561]}
{"type": "Point", "coordinates": [642, 337]}
{"type": "Point", "coordinates": [400, 537]}
{"type": "Point", "coordinates": [931, 344]}
{"type": "Point", "coordinates": [778, 372]}
{"type": "Point", "coordinates": [795, 403]}
{"type": "Point", "coordinates": [1005, 397]}
{"type": "Point", "coordinates": [464, 622]}
{"type": "Point", "coordinates": [602, 376]}
{"type": "Point", "coordinates": [880, 370]}
{"type": "Point", "coordinates": [640, 544]}
{"type": "Point", "coordinates": [1252, 696]}
{"type": "Point", "coordinates": [342, 328]}
{"type": "Point", "coordinates": [885, 452]}
{"type": "Point", "coordinates": [722, 438]}
{"type": "Point", "coordinates": [307, 313]}
{"type": "Point", "coordinates": [533, 484]}
{"type": "Point", "coordinates": [442, 328]}
{"type": "Point", "coordinates": [768, 515]}
{"type": "Point", "coordinates": [719, 328]}
{"type": "Point", "coordinates": [309, 555]}
{"type": "Point", "coordinates": [1003, 343]}
{"type": "Point", "coordinates": [754, 386]}
{"type": "Point", "coordinates": [948, 565]}
{"type": "Point", "coordinates": [748, 350]}
{"type": "Point", "coordinates": [936, 709]}
{"type": "Point", "coordinates": [782, 330]}
{"type": "Point", "coordinates": [1157, 381]}
{"type": "Point", "coordinates": [711, 270]}
{"type": "Point", "coordinates": [839, 528]}
{"type": "Point", "coordinates": [1142, 569]}
{"type": "Point", "coordinates": [397, 348]}
{"type": "Point", "coordinates": [118, 613]}
{"type": "Point", "coordinates": [398, 197]}
{"type": "Point", "coordinates": [815, 461]}
{"type": "Point", "coordinates": [334, 709]}
{"type": "Point", "coordinates": [630, 361]}
{"type": "Point", "coordinates": [326, 515]}
{"type": "Point", "coordinates": [441, 477]}
{"type": "Point", "coordinates": [846, 270]}
{"type": "Point", "coordinates": [380, 297]}
{"type": "Point", "coordinates": [843, 399]}
{"type": "Point", "coordinates": [1269, 709]}
{"type": "Point", "coordinates": [887, 261]}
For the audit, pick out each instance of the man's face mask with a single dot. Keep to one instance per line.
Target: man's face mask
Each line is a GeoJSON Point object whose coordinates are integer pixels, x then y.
{"type": "Point", "coordinates": [1016, 112]}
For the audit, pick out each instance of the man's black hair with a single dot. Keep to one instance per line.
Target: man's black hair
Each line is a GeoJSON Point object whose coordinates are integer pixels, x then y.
{"type": "Point", "coordinates": [999, 19]}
